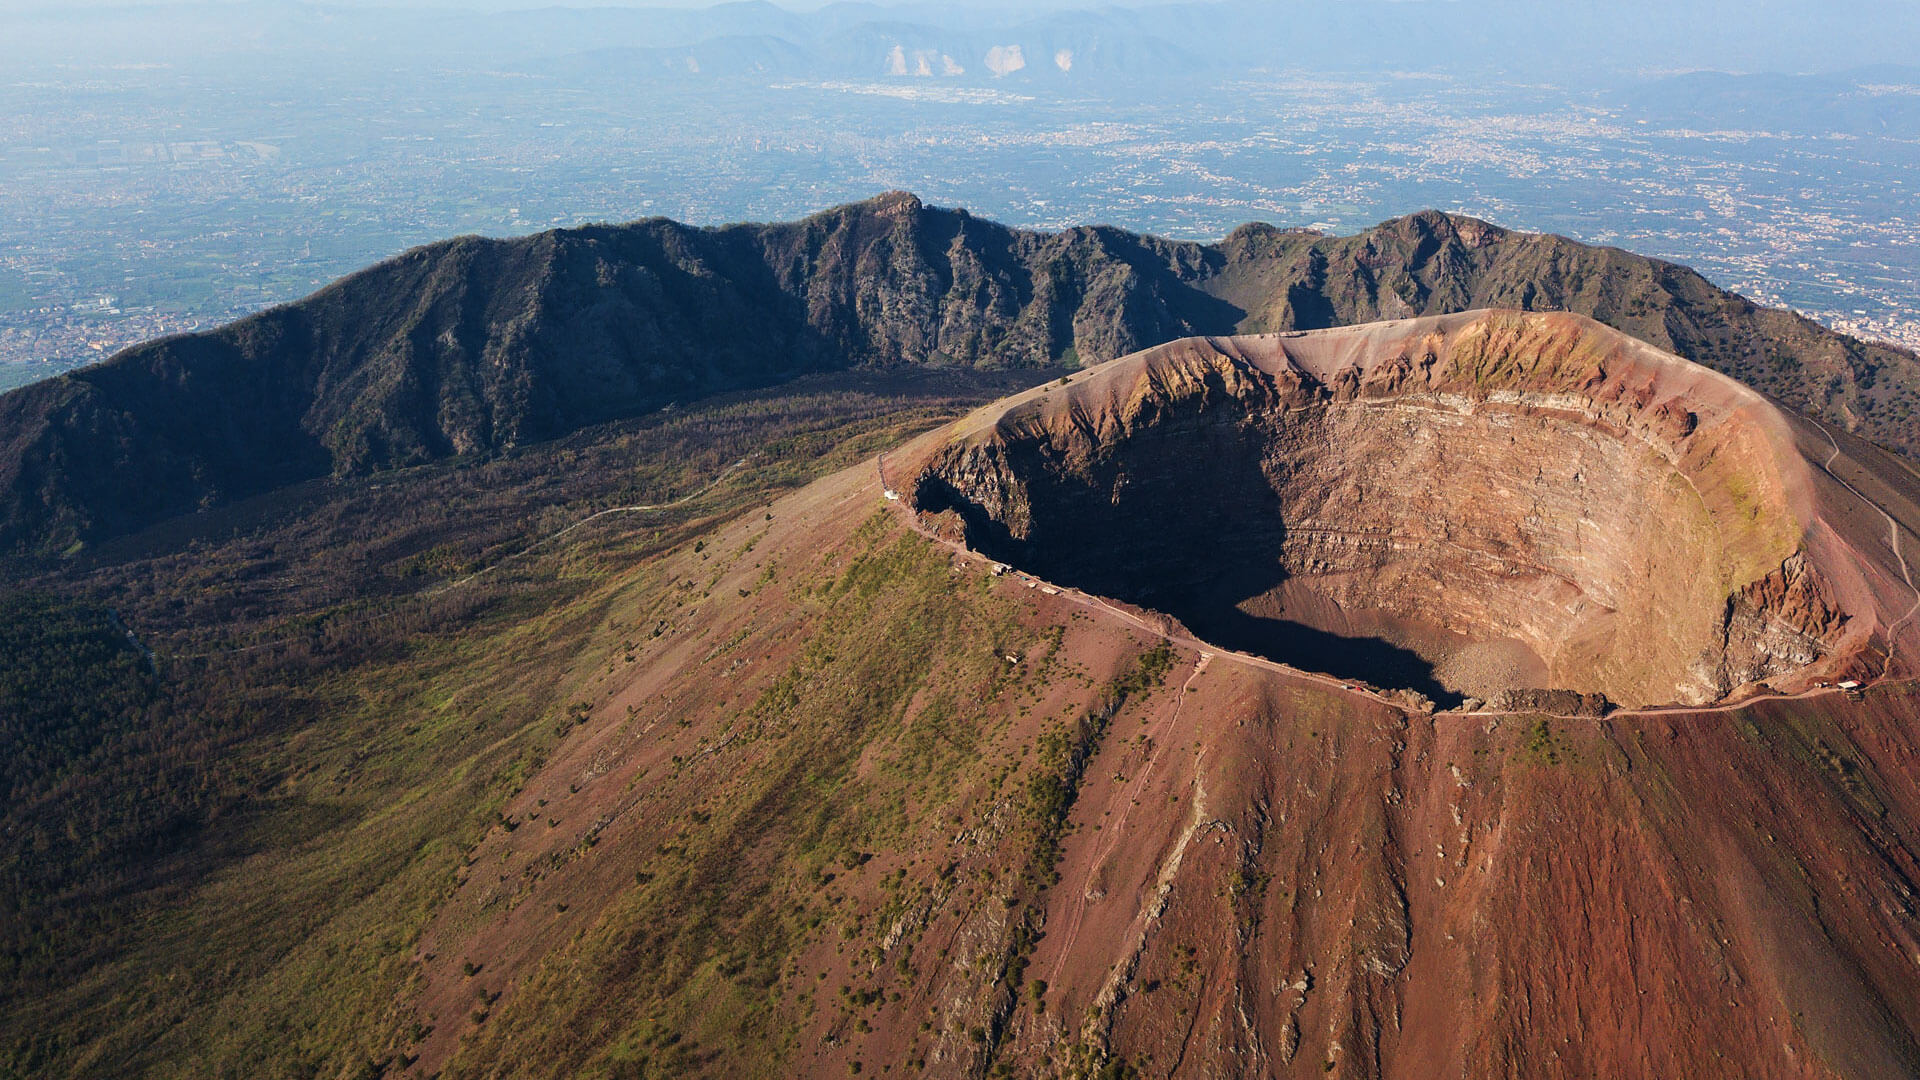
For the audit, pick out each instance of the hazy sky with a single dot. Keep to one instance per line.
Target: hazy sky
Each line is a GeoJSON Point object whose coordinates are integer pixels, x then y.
{"type": "Point", "coordinates": [15, 6]}
{"type": "Point", "coordinates": [1026, 6]}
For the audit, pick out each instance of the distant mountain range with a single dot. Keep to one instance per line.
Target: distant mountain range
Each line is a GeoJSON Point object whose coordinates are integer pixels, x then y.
{"type": "Point", "coordinates": [472, 346]}
{"type": "Point", "coordinates": [1165, 40]}
{"type": "Point", "coordinates": [1872, 102]}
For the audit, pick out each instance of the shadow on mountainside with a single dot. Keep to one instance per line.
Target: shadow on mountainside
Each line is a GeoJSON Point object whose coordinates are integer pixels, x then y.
{"type": "Point", "coordinates": [1182, 521]}
{"type": "Point", "coordinates": [1366, 659]}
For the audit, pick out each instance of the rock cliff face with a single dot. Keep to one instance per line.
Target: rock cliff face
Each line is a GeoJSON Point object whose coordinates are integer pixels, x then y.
{"type": "Point", "coordinates": [1470, 504]}
{"type": "Point", "coordinates": [473, 346]}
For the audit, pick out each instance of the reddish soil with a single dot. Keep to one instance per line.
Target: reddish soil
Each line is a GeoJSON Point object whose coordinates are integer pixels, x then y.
{"type": "Point", "coordinates": [1261, 872]}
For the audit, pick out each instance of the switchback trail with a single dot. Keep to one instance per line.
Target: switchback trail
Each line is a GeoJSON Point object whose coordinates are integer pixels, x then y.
{"type": "Point", "coordinates": [1893, 533]}
{"type": "Point", "coordinates": [590, 519]}
{"type": "Point", "coordinates": [477, 574]}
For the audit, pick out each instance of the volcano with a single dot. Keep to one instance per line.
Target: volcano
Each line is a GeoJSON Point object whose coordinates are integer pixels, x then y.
{"type": "Point", "coordinates": [1478, 694]}
{"type": "Point", "coordinates": [1002, 754]}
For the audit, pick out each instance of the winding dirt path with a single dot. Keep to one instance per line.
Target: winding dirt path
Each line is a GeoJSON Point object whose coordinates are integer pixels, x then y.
{"type": "Point", "coordinates": [483, 571]}
{"type": "Point", "coordinates": [1893, 534]}
{"type": "Point", "coordinates": [590, 519]}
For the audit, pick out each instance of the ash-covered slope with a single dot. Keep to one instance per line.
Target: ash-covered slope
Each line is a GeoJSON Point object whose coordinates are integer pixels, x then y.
{"type": "Point", "coordinates": [472, 346]}
{"type": "Point", "coordinates": [1491, 502]}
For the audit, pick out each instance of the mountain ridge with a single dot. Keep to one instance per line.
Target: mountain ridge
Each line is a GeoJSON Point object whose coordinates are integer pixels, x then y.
{"type": "Point", "coordinates": [474, 345]}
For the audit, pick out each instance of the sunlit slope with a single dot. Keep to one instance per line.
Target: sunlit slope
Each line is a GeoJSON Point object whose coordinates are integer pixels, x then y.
{"type": "Point", "coordinates": [777, 785]}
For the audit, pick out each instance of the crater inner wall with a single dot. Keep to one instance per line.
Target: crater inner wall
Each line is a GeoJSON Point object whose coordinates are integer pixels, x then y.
{"type": "Point", "coordinates": [1479, 544]}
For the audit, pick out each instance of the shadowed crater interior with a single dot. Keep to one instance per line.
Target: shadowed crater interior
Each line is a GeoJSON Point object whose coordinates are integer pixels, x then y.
{"type": "Point", "coordinates": [1187, 521]}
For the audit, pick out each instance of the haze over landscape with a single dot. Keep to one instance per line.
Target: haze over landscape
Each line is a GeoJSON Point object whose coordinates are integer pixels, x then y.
{"type": "Point", "coordinates": [1215, 539]}
{"type": "Point", "coordinates": [171, 166]}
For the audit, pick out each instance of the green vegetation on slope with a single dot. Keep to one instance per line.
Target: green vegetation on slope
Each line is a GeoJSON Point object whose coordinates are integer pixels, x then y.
{"type": "Point", "coordinates": [223, 869]}
{"type": "Point", "coordinates": [694, 967]}
{"type": "Point", "coordinates": [69, 681]}
{"type": "Point", "coordinates": [237, 879]}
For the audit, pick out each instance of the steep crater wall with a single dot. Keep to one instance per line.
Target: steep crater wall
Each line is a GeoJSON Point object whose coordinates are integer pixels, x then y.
{"type": "Point", "coordinates": [1465, 508]}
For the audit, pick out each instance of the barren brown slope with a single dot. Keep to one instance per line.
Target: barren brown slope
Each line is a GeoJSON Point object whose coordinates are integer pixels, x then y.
{"type": "Point", "coordinates": [843, 800]}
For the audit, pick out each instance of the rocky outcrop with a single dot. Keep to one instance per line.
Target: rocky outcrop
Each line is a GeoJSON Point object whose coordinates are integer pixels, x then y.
{"type": "Point", "coordinates": [1778, 624]}
{"type": "Point", "coordinates": [1550, 702]}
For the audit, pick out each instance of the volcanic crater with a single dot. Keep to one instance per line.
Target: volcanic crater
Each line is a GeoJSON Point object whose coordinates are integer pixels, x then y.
{"type": "Point", "coordinates": [1487, 505]}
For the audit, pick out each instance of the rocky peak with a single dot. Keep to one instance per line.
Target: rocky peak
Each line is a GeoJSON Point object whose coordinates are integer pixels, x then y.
{"type": "Point", "coordinates": [895, 205]}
